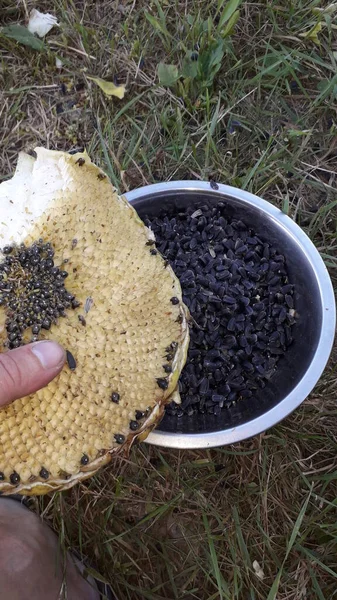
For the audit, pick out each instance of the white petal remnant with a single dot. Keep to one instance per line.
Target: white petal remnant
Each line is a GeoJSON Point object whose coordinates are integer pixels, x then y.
{"type": "Point", "coordinates": [258, 571]}
{"type": "Point", "coordinates": [41, 23]}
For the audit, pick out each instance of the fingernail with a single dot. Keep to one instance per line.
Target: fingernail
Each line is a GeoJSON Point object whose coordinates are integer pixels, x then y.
{"type": "Point", "coordinates": [49, 354]}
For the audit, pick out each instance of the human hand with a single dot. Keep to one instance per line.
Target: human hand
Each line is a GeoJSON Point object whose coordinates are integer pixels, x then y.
{"type": "Point", "coordinates": [27, 369]}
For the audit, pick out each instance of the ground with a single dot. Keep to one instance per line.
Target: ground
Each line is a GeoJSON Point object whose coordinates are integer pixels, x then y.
{"type": "Point", "coordinates": [256, 520]}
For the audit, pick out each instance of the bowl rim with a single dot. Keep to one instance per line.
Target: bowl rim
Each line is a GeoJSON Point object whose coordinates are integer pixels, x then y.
{"type": "Point", "coordinates": [299, 393]}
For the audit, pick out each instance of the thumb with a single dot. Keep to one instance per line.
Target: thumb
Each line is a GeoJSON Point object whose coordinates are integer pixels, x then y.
{"type": "Point", "coordinates": [28, 369]}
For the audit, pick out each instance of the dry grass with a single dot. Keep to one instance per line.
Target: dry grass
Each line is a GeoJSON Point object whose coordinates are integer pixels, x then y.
{"type": "Point", "coordinates": [168, 524]}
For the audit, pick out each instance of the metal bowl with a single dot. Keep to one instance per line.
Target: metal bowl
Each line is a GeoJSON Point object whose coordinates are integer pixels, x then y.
{"type": "Point", "coordinates": [299, 370]}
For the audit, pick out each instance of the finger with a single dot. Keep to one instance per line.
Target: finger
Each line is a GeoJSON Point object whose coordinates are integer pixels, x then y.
{"type": "Point", "coordinates": [28, 369]}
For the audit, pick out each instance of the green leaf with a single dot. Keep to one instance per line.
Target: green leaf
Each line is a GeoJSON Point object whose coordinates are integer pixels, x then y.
{"type": "Point", "coordinates": [326, 10]}
{"type": "Point", "coordinates": [156, 24]}
{"type": "Point", "coordinates": [214, 563]}
{"type": "Point", "coordinates": [161, 13]}
{"type": "Point", "coordinates": [312, 34]}
{"type": "Point", "coordinates": [21, 35]}
{"type": "Point", "coordinates": [294, 133]}
{"type": "Point", "coordinates": [168, 74]}
{"type": "Point", "coordinates": [231, 24]}
{"type": "Point", "coordinates": [328, 86]}
{"type": "Point", "coordinates": [209, 62]}
{"type": "Point", "coordinates": [189, 68]}
{"type": "Point", "coordinates": [93, 573]}
{"type": "Point", "coordinates": [207, 25]}
{"type": "Point", "coordinates": [228, 12]}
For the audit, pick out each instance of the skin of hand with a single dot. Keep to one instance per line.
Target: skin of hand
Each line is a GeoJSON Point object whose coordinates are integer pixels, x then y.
{"type": "Point", "coordinates": [29, 551]}
{"type": "Point", "coordinates": [25, 370]}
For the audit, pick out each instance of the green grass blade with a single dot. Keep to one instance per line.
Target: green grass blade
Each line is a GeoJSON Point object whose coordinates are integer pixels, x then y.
{"type": "Point", "coordinates": [275, 586]}
{"type": "Point", "coordinates": [228, 12]}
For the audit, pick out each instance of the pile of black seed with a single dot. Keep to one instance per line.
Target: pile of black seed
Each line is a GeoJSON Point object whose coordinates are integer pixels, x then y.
{"type": "Point", "coordinates": [32, 291]}
{"type": "Point", "coordinates": [237, 290]}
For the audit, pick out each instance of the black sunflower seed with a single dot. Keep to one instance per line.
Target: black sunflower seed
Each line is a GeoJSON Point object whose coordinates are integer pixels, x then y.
{"type": "Point", "coordinates": [229, 341]}
{"type": "Point", "coordinates": [289, 300]}
{"type": "Point", "coordinates": [204, 386]}
{"type": "Point", "coordinates": [218, 398]}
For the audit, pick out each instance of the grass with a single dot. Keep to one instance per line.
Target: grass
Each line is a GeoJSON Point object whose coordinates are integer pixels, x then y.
{"type": "Point", "coordinates": [258, 113]}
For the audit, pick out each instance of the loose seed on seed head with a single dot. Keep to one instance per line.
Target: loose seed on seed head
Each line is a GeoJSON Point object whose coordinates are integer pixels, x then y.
{"type": "Point", "coordinates": [68, 296]}
{"type": "Point", "coordinates": [71, 361]}
{"type": "Point", "coordinates": [115, 397]}
{"type": "Point", "coordinates": [162, 383]}
{"type": "Point", "coordinates": [150, 243]}
{"type": "Point", "coordinates": [2, 476]}
{"type": "Point", "coordinates": [44, 473]}
{"type": "Point", "coordinates": [84, 459]}
{"type": "Point", "coordinates": [80, 162]}
{"type": "Point", "coordinates": [153, 252]}
{"type": "Point", "coordinates": [82, 320]}
{"type": "Point", "coordinates": [46, 324]}
{"type": "Point", "coordinates": [73, 243]}
{"type": "Point", "coordinates": [172, 347]}
{"type": "Point", "coordinates": [134, 425]}
{"type": "Point", "coordinates": [14, 478]}
{"type": "Point", "coordinates": [15, 344]}
{"type": "Point", "coordinates": [88, 304]}
{"type": "Point", "coordinates": [175, 300]}
{"type": "Point", "coordinates": [167, 368]}
{"type": "Point", "coordinates": [119, 438]}
{"type": "Point", "coordinates": [139, 415]}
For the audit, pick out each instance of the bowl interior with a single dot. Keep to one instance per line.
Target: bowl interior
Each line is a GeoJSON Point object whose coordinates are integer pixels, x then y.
{"type": "Point", "coordinates": [306, 331]}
